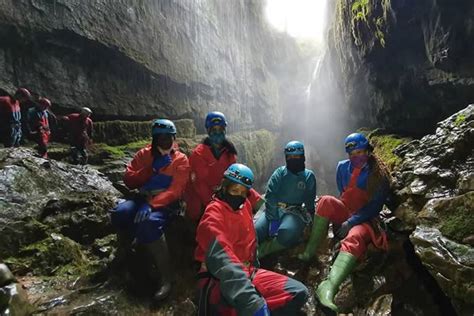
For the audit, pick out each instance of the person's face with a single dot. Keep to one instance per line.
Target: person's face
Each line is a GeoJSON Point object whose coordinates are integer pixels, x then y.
{"type": "Point", "coordinates": [216, 129]}
{"type": "Point", "coordinates": [164, 141]}
{"type": "Point", "coordinates": [237, 190]}
{"type": "Point", "coordinates": [21, 97]}
{"type": "Point", "coordinates": [358, 152]}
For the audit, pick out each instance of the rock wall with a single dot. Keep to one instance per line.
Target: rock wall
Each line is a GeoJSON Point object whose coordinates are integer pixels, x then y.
{"type": "Point", "coordinates": [435, 184]}
{"type": "Point", "coordinates": [141, 59]}
{"type": "Point", "coordinates": [400, 65]}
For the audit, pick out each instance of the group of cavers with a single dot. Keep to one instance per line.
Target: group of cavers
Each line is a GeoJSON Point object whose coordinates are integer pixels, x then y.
{"type": "Point", "coordinates": [230, 238]}
{"type": "Point", "coordinates": [37, 124]}
{"type": "Point", "coordinates": [220, 199]}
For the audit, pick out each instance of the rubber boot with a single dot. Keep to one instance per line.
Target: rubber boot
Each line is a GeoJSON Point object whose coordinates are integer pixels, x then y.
{"type": "Point", "coordinates": [319, 231]}
{"type": "Point", "coordinates": [327, 290]}
{"type": "Point", "coordinates": [158, 251]}
{"type": "Point", "coordinates": [124, 247]}
{"type": "Point", "coordinates": [269, 247]}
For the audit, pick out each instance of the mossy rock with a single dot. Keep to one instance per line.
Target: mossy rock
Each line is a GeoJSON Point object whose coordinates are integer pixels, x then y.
{"type": "Point", "coordinates": [124, 132]}
{"type": "Point", "coordinates": [455, 216]}
{"type": "Point", "coordinates": [55, 255]}
{"type": "Point", "coordinates": [384, 146]}
{"type": "Point", "coordinates": [186, 145]}
{"type": "Point", "coordinates": [20, 233]}
{"type": "Point", "coordinates": [461, 118]}
{"type": "Point", "coordinates": [450, 263]}
{"type": "Point", "coordinates": [257, 150]}
{"type": "Point", "coordinates": [369, 21]}
{"type": "Point", "coordinates": [81, 216]}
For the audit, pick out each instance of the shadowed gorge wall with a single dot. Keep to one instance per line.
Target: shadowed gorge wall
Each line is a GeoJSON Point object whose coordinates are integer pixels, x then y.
{"type": "Point", "coordinates": [141, 59]}
{"type": "Point", "coordinates": [401, 65]}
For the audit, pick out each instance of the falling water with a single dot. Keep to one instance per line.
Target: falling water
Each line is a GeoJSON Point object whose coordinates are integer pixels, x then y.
{"type": "Point", "coordinates": [314, 113]}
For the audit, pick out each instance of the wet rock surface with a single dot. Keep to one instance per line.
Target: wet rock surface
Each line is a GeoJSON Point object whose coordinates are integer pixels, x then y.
{"type": "Point", "coordinates": [434, 185]}
{"type": "Point", "coordinates": [61, 248]}
{"type": "Point", "coordinates": [58, 240]}
{"type": "Point", "coordinates": [32, 189]}
{"type": "Point", "coordinates": [51, 215]}
{"type": "Point", "coordinates": [138, 60]}
{"type": "Point", "coordinates": [13, 299]}
{"type": "Point", "coordinates": [400, 65]}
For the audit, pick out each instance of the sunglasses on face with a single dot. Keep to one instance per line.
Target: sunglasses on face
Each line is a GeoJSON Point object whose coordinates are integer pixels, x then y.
{"type": "Point", "coordinates": [293, 149]}
{"type": "Point", "coordinates": [241, 178]}
{"type": "Point", "coordinates": [159, 125]}
{"type": "Point", "coordinates": [351, 145]}
{"type": "Point", "coordinates": [216, 120]}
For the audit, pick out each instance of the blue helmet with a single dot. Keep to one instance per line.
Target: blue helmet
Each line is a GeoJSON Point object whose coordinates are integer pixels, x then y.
{"type": "Point", "coordinates": [294, 148]}
{"type": "Point", "coordinates": [356, 141]}
{"type": "Point", "coordinates": [240, 174]}
{"type": "Point", "coordinates": [163, 126]}
{"type": "Point", "coordinates": [215, 119]}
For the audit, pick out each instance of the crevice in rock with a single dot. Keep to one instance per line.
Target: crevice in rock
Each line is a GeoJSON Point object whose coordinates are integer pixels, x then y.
{"type": "Point", "coordinates": [442, 301]}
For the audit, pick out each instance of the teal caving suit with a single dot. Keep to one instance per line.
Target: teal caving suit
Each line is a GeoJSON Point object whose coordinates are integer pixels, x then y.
{"type": "Point", "coordinates": [285, 196]}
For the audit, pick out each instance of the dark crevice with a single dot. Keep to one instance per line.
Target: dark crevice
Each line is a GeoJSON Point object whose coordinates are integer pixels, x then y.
{"type": "Point", "coordinates": [443, 302]}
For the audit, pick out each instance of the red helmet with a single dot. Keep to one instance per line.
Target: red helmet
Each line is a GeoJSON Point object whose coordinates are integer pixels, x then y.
{"type": "Point", "coordinates": [44, 102]}
{"type": "Point", "coordinates": [24, 92]}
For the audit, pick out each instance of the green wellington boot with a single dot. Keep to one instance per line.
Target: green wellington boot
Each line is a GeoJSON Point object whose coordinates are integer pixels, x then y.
{"type": "Point", "coordinates": [327, 290]}
{"type": "Point", "coordinates": [318, 232]}
{"type": "Point", "coordinates": [269, 247]}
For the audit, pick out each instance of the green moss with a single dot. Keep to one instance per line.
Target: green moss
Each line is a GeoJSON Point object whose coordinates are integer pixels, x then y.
{"type": "Point", "coordinates": [120, 132]}
{"type": "Point", "coordinates": [111, 151]}
{"type": "Point", "coordinates": [368, 21]}
{"type": "Point", "coordinates": [360, 6]}
{"type": "Point", "coordinates": [56, 255]}
{"type": "Point", "coordinates": [125, 132]}
{"type": "Point", "coordinates": [384, 146]}
{"type": "Point", "coordinates": [379, 33]}
{"type": "Point", "coordinates": [105, 151]}
{"type": "Point", "coordinates": [461, 118]}
{"type": "Point", "coordinates": [458, 224]}
{"type": "Point", "coordinates": [134, 146]}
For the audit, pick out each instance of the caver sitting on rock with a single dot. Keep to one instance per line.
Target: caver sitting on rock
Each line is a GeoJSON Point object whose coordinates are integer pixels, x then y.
{"type": "Point", "coordinates": [282, 224]}
{"type": "Point", "coordinates": [160, 172]}
{"type": "Point", "coordinates": [230, 281]}
{"type": "Point", "coordinates": [363, 182]}
{"type": "Point", "coordinates": [208, 161]}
